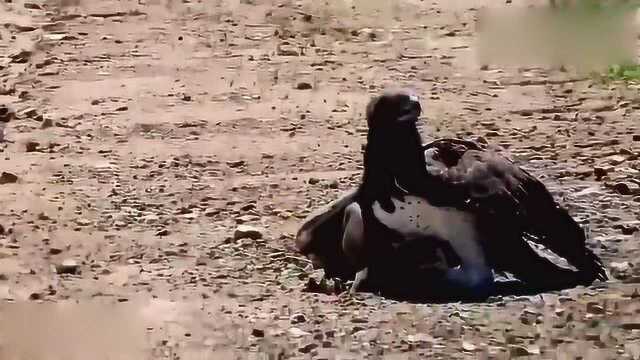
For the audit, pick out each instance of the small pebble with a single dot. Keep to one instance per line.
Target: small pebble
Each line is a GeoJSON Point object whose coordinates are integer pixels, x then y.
{"type": "Point", "coordinates": [8, 178]}
{"type": "Point", "coordinates": [68, 266]}
{"type": "Point", "coordinates": [298, 318]}
{"type": "Point", "coordinates": [32, 146]}
{"type": "Point", "coordinates": [304, 86]}
{"type": "Point", "coordinates": [246, 231]}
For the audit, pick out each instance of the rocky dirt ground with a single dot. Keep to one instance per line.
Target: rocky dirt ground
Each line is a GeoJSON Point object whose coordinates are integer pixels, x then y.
{"type": "Point", "coordinates": [163, 154]}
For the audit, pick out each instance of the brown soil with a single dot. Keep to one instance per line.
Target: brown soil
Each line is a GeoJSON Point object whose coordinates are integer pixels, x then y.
{"type": "Point", "coordinates": [148, 130]}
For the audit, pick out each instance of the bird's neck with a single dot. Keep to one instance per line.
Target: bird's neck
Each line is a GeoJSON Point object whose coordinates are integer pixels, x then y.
{"type": "Point", "coordinates": [376, 177]}
{"type": "Point", "coordinates": [409, 160]}
{"type": "Point", "coordinates": [387, 162]}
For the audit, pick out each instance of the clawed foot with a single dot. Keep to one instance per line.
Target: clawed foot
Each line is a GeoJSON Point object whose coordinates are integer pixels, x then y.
{"type": "Point", "coordinates": [361, 276]}
{"type": "Point", "coordinates": [467, 283]}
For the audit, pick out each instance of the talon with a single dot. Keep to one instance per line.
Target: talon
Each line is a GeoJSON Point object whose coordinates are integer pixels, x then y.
{"type": "Point", "coordinates": [361, 276]}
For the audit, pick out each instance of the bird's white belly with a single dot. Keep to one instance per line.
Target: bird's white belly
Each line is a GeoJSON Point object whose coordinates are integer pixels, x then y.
{"type": "Point", "coordinates": [415, 218]}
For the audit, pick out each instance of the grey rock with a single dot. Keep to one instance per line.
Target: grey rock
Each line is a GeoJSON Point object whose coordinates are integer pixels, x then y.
{"type": "Point", "coordinates": [68, 266]}
{"type": "Point", "coordinates": [246, 231]}
{"type": "Point", "coordinates": [298, 318]}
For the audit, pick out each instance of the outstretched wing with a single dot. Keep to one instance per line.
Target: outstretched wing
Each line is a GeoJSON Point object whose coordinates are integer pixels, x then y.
{"type": "Point", "coordinates": [483, 181]}
{"type": "Point", "coordinates": [507, 197]}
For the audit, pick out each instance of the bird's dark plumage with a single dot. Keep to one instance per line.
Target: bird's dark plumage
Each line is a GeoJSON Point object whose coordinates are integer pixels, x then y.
{"type": "Point", "coordinates": [509, 205]}
{"type": "Point", "coordinates": [513, 205]}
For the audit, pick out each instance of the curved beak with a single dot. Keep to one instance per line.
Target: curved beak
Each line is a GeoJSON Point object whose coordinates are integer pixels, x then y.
{"type": "Point", "coordinates": [413, 110]}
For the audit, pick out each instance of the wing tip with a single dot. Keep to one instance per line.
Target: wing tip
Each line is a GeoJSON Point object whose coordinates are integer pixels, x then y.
{"type": "Point", "coordinates": [593, 268]}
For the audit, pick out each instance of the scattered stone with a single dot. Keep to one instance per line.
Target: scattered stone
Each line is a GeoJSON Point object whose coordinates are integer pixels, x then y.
{"type": "Point", "coordinates": [313, 181]}
{"type": "Point", "coordinates": [287, 50]}
{"type": "Point", "coordinates": [420, 338]}
{"type": "Point", "coordinates": [595, 308]}
{"type": "Point", "coordinates": [620, 270]}
{"type": "Point", "coordinates": [629, 228]}
{"type": "Point", "coordinates": [46, 123]}
{"type": "Point", "coordinates": [83, 222]}
{"type": "Point", "coordinates": [298, 318]}
{"type": "Point", "coordinates": [246, 231]}
{"type": "Point", "coordinates": [8, 178]}
{"type": "Point", "coordinates": [259, 333]}
{"type": "Point", "coordinates": [21, 57]}
{"type": "Point", "coordinates": [518, 351]}
{"type": "Point", "coordinates": [616, 159]}
{"type": "Point", "coordinates": [30, 113]}
{"type": "Point", "coordinates": [7, 113]}
{"type": "Point", "coordinates": [32, 6]}
{"type": "Point", "coordinates": [626, 188]}
{"type": "Point", "coordinates": [296, 332]}
{"type": "Point", "coordinates": [636, 137]}
{"type": "Point", "coordinates": [308, 348]}
{"type": "Point", "coordinates": [32, 146]}
{"type": "Point", "coordinates": [108, 14]}
{"type": "Point", "coordinates": [68, 266]}
{"type": "Point", "coordinates": [211, 212]}
{"type": "Point", "coordinates": [248, 207]}
{"type": "Point", "coordinates": [467, 346]}
{"type": "Point", "coordinates": [592, 336]}
{"type": "Point", "coordinates": [304, 86]}
{"type": "Point", "coordinates": [163, 232]}
{"type": "Point", "coordinates": [600, 172]}
{"type": "Point", "coordinates": [170, 252]}
{"type": "Point", "coordinates": [246, 219]}
{"type": "Point", "coordinates": [150, 219]}
{"type": "Point", "coordinates": [236, 164]}
{"type": "Point", "coordinates": [630, 325]}
{"type": "Point", "coordinates": [318, 283]}
{"type": "Point", "coordinates": [43, 217]}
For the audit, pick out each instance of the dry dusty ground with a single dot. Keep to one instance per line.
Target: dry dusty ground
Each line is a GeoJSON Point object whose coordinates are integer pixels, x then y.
{"type": "Point", "coordinates": [148, 130]}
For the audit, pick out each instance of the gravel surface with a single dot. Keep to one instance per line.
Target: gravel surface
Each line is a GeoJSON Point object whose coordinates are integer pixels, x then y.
{"type": "Point", "coordinates": [163, 154]}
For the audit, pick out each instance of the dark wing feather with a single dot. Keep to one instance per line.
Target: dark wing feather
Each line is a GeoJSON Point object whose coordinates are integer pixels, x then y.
{"type": "Point", "coordinates": [482, 180]}
{"type": "Point", "coordinates": [559, 232]}
{"type": "Point", "coordinates": [508, 198]}
{"type": "Point", "coordinates": [321, 235]}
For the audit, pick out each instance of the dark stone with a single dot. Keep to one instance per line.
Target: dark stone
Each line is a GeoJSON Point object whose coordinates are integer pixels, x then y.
{"type": "Point", "coordinates": [304, 86]}
{"type": "Point", "coordinates": [8, 178]}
